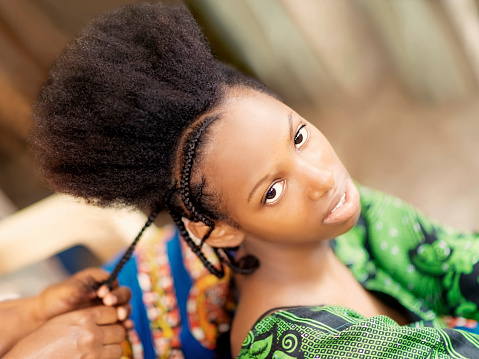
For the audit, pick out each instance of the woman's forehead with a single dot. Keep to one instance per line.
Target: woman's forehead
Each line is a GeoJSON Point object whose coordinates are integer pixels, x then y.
{"type": "Point", "coordinates": [247, 140]}
{"type": "Point", "coordinates": [250, 111]}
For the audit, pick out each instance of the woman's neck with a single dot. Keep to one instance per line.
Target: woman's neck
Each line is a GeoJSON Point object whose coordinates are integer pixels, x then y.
{"type": "Point", "coordinates": [292, 262]}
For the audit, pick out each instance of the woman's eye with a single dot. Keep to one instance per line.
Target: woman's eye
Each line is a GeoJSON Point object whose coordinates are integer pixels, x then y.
{"type": "Point", "coordinates": [301, 137]}
{"type": "Point", "coordinates": [274, 192]}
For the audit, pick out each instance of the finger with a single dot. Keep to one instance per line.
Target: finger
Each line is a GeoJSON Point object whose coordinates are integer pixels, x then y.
{"type": "Point", "coordinates": [114, 284]}
{"type": "Point", "coordinates": [112, 351]}
{"type": "Point", "coordinates": [97, 274]}
{"type": "Point", "coordinates": [102, 291]}
{"type": "Point", "coordinates": [104, 315]}
{"type": "Point", "coordinates": [86, 282]}
{"type": "Point", "coordinates": [120, 295]}
{"type": "Point", "coordinates": [123, 312]}
{"type": "Point", "coordinates": [113, 334]}
{"type": "Point", "coordinates": [128, 324]}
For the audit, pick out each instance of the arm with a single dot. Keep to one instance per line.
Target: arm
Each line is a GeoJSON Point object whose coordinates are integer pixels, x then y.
{"type": "Point", "coordinates": [450, 258]}
{"type": "Point", "coordinates": [25, 315]}
{"type": "Point", "coordinates": [432, 262]}
{"type": "Point", "coordinates": [93, 332]}
{"type": "Point", "coordinates": [21, 317]}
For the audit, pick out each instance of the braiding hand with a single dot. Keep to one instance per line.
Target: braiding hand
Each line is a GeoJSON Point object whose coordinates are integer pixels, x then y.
{"type": "Point", "coordinates": [92, 333]}
{"type": "Point", "coordinates": [81, 291]}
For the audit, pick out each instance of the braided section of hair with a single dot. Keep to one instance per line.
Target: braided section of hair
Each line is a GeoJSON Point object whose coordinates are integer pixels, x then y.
{"type": "Point", "coordinates": [245, 265]}
{"type": "Point", "coordinates": [185, 194]}
{"type": "Point", "coordinates": [126, 256]}
{"type": "Point", "coordinates": [218, 272]}
{"type": "Point", "coordinates": [185, 189]}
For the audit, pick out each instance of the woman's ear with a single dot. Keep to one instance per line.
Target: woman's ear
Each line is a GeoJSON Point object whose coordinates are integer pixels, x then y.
{"type": "Point", "coordinates": [223, 235]}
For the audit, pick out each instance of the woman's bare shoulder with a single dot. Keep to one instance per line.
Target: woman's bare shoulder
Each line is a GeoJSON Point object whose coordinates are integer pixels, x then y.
{"type": "Point", "coordinates": [252, 308]}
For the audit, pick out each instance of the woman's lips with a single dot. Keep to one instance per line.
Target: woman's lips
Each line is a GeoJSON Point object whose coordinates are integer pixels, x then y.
{"type": "Point", "coordinates": [346, 207]}
{"type": "Point", "coordinates": [340, 203]}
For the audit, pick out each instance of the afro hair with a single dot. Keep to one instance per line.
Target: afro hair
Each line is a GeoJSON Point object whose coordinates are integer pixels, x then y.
{"type": "Point", "coordinates": [109, 117]}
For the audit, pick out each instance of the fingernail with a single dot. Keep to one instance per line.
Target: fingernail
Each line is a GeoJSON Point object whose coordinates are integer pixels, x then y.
{"type": "Point", "coordinates": [122, 313]}
{"type": "Point", "coordinates": [110, 300]}
{"type": "Point", "coordinates": [128, 324]}
{"type": "Point", "coordinates": [102, 291]}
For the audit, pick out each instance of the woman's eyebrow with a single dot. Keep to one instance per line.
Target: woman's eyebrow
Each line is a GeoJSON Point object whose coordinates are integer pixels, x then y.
{"type": "Point", "coordinates": [290, 122]}
{"type": "Point", "coordinates": [260, 182]}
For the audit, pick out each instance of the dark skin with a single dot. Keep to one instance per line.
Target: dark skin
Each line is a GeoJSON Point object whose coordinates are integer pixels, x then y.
{"type": "Point", "coordinates": [289, 194]}
{"type": "Point", "coordinates": [70, 319]}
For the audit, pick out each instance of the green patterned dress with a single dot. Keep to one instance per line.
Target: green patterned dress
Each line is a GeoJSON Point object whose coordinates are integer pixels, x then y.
{"type": "Point", "coordinates": [428, 270]}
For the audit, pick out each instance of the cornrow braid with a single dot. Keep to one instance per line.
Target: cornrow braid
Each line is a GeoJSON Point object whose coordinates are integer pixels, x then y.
{"type": "Point", "coordinates": [185, 194]}
{"type": "Point", "coordinates": [126, 256]}
{"type": "Point", "coordinates": [218, 272]}
{"type": "Point", "coordinates": [185, 189]}
{"type": "Point", "coordinates": [245, 265]}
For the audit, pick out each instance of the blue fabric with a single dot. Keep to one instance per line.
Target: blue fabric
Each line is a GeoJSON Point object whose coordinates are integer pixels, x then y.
{"type": "Point", "coordinates": [128, 277]}
{"type": "Point", "coordinates": [182, 283]}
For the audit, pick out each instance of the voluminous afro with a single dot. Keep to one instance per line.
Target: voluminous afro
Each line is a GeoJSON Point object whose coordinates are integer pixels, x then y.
{"type": "Point", "coordinates": [111, 113]}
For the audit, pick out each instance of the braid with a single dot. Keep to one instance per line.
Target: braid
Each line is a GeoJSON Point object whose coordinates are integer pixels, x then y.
{"type": "Point", "coordinates": [245, 265]}
{"type": "Point", "coordinates": [185, 190]}
{"type": "Point", "coordinates": [185, 194]}
{"type": "Point", "coordinates": [196, 248]}
{"type": "Point", "coordinates": [126, 256]}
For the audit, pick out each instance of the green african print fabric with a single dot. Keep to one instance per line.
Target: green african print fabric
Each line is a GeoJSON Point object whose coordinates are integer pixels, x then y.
{"type": "Point", "coordinates": [429, 270]}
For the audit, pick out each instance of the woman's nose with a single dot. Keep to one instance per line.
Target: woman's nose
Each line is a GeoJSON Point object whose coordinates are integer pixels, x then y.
{"type": "Point", "coordinates": [319, 180]}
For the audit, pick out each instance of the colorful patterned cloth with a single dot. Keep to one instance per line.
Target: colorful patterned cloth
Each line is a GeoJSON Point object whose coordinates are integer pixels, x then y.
{"type": "Point", "coordinates": [432, 271]}
{"type": "Point", "coordinates": [329, 332]}
{"type": "Point", "coordinates": [180, 310]}
{"type": "Point", "coordinates": [395, 251]}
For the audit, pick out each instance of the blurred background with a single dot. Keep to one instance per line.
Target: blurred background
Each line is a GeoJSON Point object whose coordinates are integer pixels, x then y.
{"type": "Point", "coordinates": [393, 84]}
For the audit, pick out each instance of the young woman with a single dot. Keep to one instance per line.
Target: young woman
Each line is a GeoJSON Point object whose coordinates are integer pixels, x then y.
{"type": "Point", "coordinates": [137, 112]}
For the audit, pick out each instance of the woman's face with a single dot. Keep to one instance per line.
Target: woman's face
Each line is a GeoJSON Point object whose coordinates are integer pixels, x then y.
{"type": "Point", "coordinates": [278, 176]}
